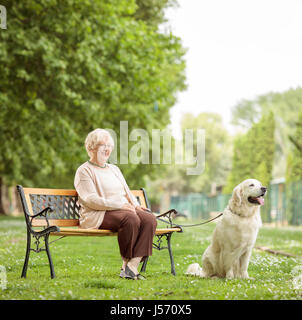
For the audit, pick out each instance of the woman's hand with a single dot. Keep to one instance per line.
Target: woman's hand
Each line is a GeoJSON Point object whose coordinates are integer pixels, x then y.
{"type": "Point", "coordinates": [129, 206]}
{"type": "Point", "coordinates": [142, 208]}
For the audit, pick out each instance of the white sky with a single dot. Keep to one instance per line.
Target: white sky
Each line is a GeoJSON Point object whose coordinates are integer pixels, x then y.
{"type": "Point", "coordinates": [237, 49]}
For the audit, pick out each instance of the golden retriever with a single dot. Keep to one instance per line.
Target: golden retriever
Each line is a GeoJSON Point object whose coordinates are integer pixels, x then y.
{"type": "Point", "coordinates": [235, 234]}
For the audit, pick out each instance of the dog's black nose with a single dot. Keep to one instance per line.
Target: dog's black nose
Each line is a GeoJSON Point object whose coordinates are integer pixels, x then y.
{"type": "Point", "coordinates": [263, 189]}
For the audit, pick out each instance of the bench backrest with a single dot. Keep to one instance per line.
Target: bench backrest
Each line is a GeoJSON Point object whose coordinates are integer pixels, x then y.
{"type": "Point", "coordinates": [63, 201]}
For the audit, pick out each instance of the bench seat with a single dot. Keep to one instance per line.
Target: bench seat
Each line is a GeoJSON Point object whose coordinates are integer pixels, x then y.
{"type": "Point", "coordinates": [102, 232]}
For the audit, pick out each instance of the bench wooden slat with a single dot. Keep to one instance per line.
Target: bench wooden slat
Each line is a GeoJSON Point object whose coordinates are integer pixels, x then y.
{"type": "Point", "coordinates": [140, 195]}
{"type": "Point", "coordinates": [102, 232]}
{"type": "Point", "coordinates": [70, 192]}
{"type": "Point", "coordinates": [55, 192]}
{"type": "Point", "coordinates": [27, 198]}
{"type": "Point", "coordinates": [108, 233]}
{"type": "Point", "coordinates": [56, 222]}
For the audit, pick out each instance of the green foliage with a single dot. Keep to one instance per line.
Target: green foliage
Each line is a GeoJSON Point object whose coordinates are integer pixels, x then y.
{"type": "Point", "coordinates": [68, 67]}
{"type": "Point", "coordinates": [217, 152]}
{"type": "Point", "coordinates": [294, 174]}
{"type": "Point", "coordinates": [253, 154]}
{"type": "Point", "coordinates": [294, 164]}
{"type": "Point", "coordinates": [151, 11]}
{"type": "Point", "coordinates": [286, 107]}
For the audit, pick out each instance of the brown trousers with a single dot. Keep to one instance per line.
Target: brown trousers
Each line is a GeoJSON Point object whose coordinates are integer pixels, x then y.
{"type": "Point", "coordinates": [135, 231]}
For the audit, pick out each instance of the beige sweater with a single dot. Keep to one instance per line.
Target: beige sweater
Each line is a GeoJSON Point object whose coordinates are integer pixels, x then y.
{"type": "Point", "coordinates": [100, 190]}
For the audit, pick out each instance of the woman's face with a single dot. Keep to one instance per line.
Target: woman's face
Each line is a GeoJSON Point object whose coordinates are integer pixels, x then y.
{"type": "Point", "coordinates": [104, 150]}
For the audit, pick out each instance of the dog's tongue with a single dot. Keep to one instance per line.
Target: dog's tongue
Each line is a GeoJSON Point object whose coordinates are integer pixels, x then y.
{"type": "Point", "coordinates": [260, 200]}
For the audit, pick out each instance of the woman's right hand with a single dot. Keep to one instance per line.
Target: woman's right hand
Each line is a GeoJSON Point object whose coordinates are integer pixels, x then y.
{"type": "Point", "coordinates": [130, 207]}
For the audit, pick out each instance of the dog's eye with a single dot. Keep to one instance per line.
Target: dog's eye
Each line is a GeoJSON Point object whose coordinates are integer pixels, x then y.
{"type": "Point", "coordinates": [251, 185]}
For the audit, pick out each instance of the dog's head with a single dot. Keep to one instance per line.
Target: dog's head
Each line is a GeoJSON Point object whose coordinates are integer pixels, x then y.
{"type": "Point", "coordinates": [249, 192]}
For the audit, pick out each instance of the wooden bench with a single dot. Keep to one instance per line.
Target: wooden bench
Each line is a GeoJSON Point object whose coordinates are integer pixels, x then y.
{"type": "Point", "coordinates": [55, 212]}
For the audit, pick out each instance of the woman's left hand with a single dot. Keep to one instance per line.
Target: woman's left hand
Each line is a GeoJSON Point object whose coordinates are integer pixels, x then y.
{"type": "Point", "coordinates": [142, 208]}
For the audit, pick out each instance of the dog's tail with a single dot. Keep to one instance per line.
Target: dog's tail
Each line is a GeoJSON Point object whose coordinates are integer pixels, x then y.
{"type": "Point", "coordinates": [194, 269]}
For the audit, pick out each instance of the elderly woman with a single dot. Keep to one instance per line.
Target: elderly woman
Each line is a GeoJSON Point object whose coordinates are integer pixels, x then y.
{"type": "Point", "coordinates": [107, 203]}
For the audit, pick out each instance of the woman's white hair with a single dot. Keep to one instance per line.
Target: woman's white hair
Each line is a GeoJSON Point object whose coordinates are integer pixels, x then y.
{"type": "Point", "coordinates": [95, 138]}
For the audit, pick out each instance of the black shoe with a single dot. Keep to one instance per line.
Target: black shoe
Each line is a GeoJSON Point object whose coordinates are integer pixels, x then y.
{"type": "Point", "coordinates": [129, 274]}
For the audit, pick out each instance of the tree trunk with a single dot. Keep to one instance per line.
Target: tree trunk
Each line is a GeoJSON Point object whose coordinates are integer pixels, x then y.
{"type": "Point", "coordinates": [1, 202]}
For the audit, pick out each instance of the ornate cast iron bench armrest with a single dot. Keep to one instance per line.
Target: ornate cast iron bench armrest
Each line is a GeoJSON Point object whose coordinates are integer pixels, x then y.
{"type": "Point", "coordinates": [42, 213]}
{"type": "Point", "coordinates": [168, 215]}
{"type": "Point", "coordinates": [47, 229]}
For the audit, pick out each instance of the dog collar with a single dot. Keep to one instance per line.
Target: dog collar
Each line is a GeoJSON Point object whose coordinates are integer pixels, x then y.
{"type": "Point", "coordinates": [237, 214]}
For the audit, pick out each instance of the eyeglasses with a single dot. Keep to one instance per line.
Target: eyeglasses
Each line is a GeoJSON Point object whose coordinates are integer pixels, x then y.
{"type": "Point", "coordinates": [104, 146]}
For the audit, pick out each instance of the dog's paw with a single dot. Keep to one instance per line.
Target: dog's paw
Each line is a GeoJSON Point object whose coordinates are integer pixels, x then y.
{"type": "Point", "coordinates": [194, 270]}
{"type": "Point", "coordinates": [230, 275]}
{"type": "Point", "coordinates": [245, 276]}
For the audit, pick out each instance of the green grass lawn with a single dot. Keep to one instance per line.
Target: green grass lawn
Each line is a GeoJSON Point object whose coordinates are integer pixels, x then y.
{"type": "Point", "coordinates": [88, 268]}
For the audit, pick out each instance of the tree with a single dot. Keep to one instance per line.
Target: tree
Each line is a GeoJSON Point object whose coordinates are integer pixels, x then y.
{"type": "Point", "coordinates": [285, 106]}
{"type": "Point", "coordinates": [152, 11]}
{"type": "Point", "coordinates": [253, 157]}
{"type": "Point", "coordinates": [217, 151]}
{"type": "Point", "coordinates": [69, 67]}
{"type": "Point", "coordinates": [253, 154]}
{"type": "Point", "coordinates": [294, 175]}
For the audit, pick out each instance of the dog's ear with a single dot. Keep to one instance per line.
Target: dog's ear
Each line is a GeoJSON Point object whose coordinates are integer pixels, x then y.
{"type": "Point", "coordinates": [237, 195]}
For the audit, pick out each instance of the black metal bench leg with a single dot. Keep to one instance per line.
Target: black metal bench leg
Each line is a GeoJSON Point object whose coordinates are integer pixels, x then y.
{"type": "Point", "coordinates": [24, 270]}
{"type": "Point", "coordinates": [143, 268]}
{"type": "Point", "coordinates": [171, 254]}
{"type": "Point", "coordinates": [52, 271]}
